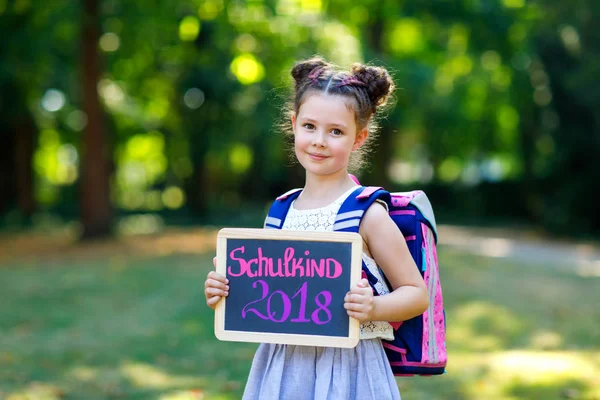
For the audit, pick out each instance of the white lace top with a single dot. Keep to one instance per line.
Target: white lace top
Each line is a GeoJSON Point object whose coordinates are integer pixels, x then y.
{"type": "Point", "coordinates": [322, 219]}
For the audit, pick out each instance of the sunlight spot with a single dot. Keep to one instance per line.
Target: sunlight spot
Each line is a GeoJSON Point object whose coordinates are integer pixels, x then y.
{"type": "Point", "coordinates": [157, 108]}
{"type": "Point", "coordinates": [53, 100]}
{"type": "Point", "coordinates": [246, 43]}
{"type": "Point", "coordinates": [173, 197]}
{"type": "Point", "coordinates": [337, 40]}
{"type": "Point", "coordinates": [131, 199]}
{"type": "Point", "coordinates": [37, 391]}
{"type": "Point", "coordinates": [149, 376]}
{"type": "Point", "coordinates": [184, 395]}
{"type": "Point", "coordinates": [450, 169]}
{"type": "Point", "coordinates": [461, 65]}
{"type": "Point", "coordinates": [496, 247]}
{"type": "Point", "coordinates": [570, 39]}
{"type": "Point", "coordinates": [496, 375]}
{"type": "Point", "coordinates": [490, 60]}
{"type": "Point", "coordinates": [189, 28]}
{"type": "Point", "coordinates": [507, 117]}
{"type": "Point", "coordinates": [589, 269]}
{"type": "Point", "coordinates": [141, 224]}
{"type": "Point", "coordinates": [311, 6]}
{"type": "Point", "coordinates": [488, 325]}
{"type": "Point", "coordinates": [407, 36]}
{"type": "Point", "coordinates": [539, 366]}
{"type": "Point", "coordinates": [77, 120]}
{"type": "Point", "coordinates": [470, 174]}
{"type": "Point", "coordinates": [210, 9]}
{"type": "Point", "coordinates": [513, 3]}
{"type": "Point", "coordinates": [247, 69]}
{"type": "Point", "coordinates": [110, 42]}
{"type": "Point", "coordinates": [84, 373]}
{"type": "Point", "coordinates": [193, 98]}
{"type": "Point", "coordinates": [287, 7]}
{"type": "Point", "coordinates": [111, 92]}
{"type": "Point", "coordinates": [545, 340]}
{"type": "Point", "coordinates": [240, 158]}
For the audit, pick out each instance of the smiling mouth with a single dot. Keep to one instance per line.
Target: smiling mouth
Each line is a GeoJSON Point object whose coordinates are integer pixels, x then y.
{"type": "Point", "coordinates": [317, 156]}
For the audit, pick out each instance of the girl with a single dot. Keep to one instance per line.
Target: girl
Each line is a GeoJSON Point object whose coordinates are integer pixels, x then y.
{"type": "Point", "coordinates": [331, 122]}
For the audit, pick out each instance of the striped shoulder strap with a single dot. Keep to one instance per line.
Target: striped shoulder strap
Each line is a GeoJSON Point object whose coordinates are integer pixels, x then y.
{"type": "Point", "coordinates": [280, 208]}
{"type": "Point", "coordinates": [353, 209]}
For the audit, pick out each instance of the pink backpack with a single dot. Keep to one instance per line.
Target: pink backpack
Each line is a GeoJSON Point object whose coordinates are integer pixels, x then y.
{"type": "Point", "coordinates": [419, 344]}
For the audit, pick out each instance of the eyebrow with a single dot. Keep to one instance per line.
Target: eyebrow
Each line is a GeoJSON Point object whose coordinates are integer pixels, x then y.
{"type": "Point", "coordinates": [308, 119]}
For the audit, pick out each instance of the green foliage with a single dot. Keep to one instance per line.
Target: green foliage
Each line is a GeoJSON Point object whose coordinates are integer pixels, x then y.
{"type": "Point", "coordinates": [489, 93]}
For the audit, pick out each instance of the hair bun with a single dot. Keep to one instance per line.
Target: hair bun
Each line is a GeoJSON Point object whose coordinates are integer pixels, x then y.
{"type": "Point", "coordinates": [378, 81]}
{"type": "Point", "coordinates": [302, 70]}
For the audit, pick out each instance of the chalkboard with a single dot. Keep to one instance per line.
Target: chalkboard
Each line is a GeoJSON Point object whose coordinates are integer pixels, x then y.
{"type": "Point", "coordinates": [288, 286]}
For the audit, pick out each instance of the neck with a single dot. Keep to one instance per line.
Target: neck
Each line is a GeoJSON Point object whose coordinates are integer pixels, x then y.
{"type": "Point", "coordinates": [326, 188]}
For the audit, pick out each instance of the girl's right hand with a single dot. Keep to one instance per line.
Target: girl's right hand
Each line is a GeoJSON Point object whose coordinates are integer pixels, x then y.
{"type": "Point", "coordinates": [215, 287]}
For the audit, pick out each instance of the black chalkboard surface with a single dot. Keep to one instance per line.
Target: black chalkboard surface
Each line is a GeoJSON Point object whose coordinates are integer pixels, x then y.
{"type": "Point", "coordinates": [288, 286]}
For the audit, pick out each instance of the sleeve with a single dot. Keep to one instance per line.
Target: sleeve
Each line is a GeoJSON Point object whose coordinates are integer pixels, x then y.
{"type": "Point", "coordinates": [384, 204]}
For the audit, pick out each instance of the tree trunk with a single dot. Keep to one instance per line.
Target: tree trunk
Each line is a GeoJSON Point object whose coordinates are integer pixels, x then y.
{"type": "Point", "coordinates": [383, 149]}
{"type": "Point", "coordinates": [96, 213]}
{"type": "Point", "coordinates": [25, 132]}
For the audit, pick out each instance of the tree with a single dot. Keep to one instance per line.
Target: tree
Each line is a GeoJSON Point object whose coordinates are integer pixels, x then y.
{"type": "Point", "coordinates": [96, 213]}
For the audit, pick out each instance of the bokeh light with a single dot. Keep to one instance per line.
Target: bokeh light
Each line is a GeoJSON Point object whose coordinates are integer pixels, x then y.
{"type": "Point", "coordinates": [110, 42]}
{"type": "Point", "coordinates": [247, 69]}
{"type": "Point", "coordinates": [189, 28]}
{"type": "Point", "coordinates": [193, 98]}
{"type": "Point", "coordinates": [53, 100]}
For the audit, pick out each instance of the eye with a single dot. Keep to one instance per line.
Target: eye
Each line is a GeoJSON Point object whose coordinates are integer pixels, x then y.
{"type": "Point", "coordinates": [308, 126]}
{"type": "Point", "coordinates": [336, 132]}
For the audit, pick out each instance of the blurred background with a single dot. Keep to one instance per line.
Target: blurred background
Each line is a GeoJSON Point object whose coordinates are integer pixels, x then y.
{"type": "Point", "coordinates": [147, 125]}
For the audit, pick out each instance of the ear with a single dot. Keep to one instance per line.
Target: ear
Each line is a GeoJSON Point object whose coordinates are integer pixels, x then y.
{"type": "Point", "coordinates": [294, 123]}
{"type": "Point", "coordinates": [361, 138]}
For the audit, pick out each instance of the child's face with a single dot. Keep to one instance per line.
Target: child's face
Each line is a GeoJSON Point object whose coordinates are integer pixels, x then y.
{"type": "Point", "coordinates": [325, 134]}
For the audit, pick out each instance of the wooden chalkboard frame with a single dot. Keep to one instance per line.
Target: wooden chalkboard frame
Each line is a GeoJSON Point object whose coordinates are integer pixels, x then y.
{"type": "Point", "coordinates": [354, 239]}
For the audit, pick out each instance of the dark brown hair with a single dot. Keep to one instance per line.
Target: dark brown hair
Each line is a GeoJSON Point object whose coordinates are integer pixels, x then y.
{"type": "Point", "coordinates": [367, 87]}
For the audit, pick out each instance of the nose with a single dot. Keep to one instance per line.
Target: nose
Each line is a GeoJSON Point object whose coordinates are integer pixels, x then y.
{"type": "Point", "coordinates": [319, 139]}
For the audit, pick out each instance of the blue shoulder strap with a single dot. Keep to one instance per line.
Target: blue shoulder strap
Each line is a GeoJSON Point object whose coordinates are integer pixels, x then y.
{"type": "Point", "coordinates": [351, 213]}
{"type": "Point", "coordinates": [353, 209]}
{"type": "Point", "coordinates": [280, 208]}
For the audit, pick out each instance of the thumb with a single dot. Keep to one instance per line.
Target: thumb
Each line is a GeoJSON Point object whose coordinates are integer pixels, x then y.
{"type": "Point", "coordinates": [363, 283]}
{"type": "Point", "coordinates": [215, 262]}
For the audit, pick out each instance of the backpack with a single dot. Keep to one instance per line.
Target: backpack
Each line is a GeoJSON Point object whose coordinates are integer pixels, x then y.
{"type": "Point", "coordinates": [419, 344]}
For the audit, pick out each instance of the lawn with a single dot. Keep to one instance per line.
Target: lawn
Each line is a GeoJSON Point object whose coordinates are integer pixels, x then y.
{"type": "Point", "coordinates": [127, 320]}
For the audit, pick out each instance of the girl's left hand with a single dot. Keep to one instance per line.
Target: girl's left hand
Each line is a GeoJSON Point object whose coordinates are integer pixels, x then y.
{"type": "Point", "coordinates": [359, 302]}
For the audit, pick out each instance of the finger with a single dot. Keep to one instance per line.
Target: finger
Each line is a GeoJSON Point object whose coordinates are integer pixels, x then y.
{"type": "Point", "coordinates": [364, 291]}
{"type": "Point", "coordinates": [211, 283]}
{"type": "Point", "coordinates": [215, 291]}
{"type": "Point", "coordinates": [215, 262]}
{"type": "Point", "coordinates": [357, 297]}
{"type": "Point", "coordinates": [356, 307]}
{"type": "Point", "coordinates": [212, 302]}
{"type": "Point", "coordinates": [356, 315]}
{"type": "Point", "coordinates": [216, 276]}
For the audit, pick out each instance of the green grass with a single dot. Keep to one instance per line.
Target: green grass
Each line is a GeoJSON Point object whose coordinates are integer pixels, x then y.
{"type": "Point", "coordinates": [119, 326]}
